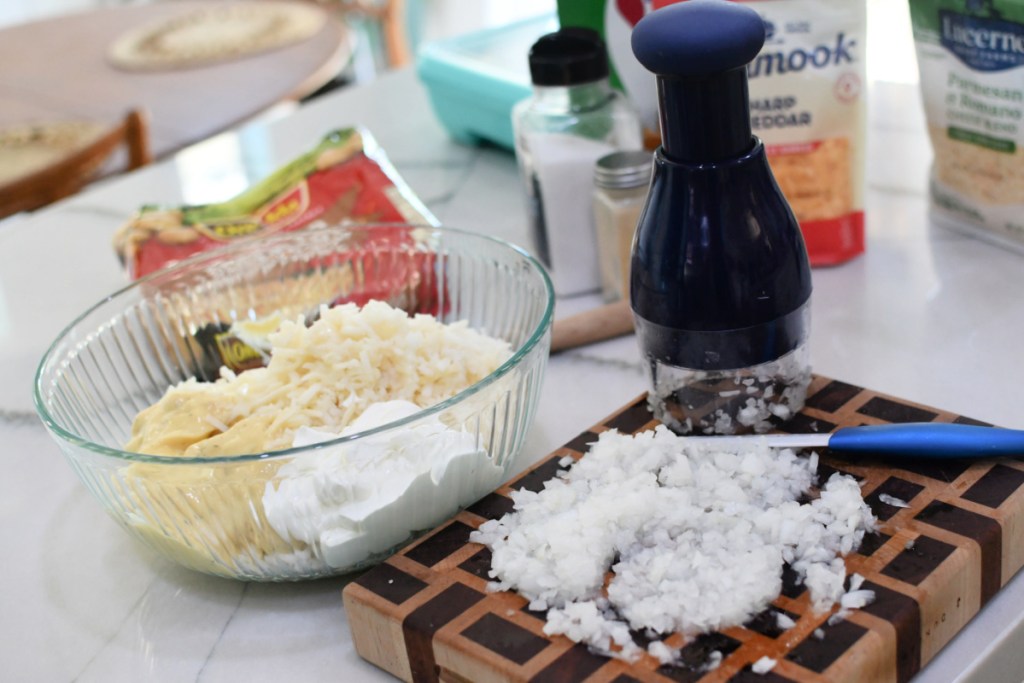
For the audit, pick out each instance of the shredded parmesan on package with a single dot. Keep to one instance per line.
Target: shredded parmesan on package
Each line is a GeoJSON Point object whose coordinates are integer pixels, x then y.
{"type": "Point", "coordinates": [971, 59]}
{"type": "Point", "coordinates": [322, 376]}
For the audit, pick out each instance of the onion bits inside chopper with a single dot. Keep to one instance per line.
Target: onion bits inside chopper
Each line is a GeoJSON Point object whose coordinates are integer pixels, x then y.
{"type": "Point", "coordinates": [720, 284]}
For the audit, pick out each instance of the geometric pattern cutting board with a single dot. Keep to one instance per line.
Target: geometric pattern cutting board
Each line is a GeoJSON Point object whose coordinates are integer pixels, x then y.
{"type": "Point", "coordinates": [426, 615]}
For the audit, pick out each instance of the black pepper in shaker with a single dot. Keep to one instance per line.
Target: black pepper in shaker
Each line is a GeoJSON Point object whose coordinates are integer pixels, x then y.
{"type": "Point", "coordinates": [621, 180]}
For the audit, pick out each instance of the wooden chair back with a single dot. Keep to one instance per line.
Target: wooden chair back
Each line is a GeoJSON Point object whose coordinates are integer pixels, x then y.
{"type": "Point", "coordinates": [73, 172]}
{"type": "Point", "coordinates": [389, 16]}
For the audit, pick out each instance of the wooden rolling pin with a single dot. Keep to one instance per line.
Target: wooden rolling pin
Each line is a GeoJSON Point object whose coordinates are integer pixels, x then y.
{"type": "Point", "coordinates": [597, 324]}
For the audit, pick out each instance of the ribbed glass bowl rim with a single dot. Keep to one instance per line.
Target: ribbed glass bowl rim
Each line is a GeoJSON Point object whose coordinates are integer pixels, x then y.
{"type": "Point", "coordinates": [218, 255]}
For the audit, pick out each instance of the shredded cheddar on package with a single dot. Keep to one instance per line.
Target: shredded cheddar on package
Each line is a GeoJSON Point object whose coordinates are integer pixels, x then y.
{"type": "Point", "coordinates": [807, 104]}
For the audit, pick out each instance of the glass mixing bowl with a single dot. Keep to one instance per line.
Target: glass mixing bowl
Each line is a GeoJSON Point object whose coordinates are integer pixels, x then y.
{"type": "Point", "coordinates": [303, 512]}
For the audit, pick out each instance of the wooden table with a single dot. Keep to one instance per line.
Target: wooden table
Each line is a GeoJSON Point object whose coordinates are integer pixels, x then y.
{"type": "Point", "coordinates": [58, 69]}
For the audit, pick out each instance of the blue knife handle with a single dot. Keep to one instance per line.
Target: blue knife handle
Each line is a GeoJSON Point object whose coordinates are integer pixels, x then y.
{"type": "Point", "coordinates": [929, 440]}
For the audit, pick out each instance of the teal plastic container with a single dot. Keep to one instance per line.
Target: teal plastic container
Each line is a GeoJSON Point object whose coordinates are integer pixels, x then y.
{"type": "Point", "coordinates": [474, 80]}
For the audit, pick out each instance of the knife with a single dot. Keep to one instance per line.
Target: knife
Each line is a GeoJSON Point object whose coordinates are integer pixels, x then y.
{"type": "Point", "coordinates": [911, 440]}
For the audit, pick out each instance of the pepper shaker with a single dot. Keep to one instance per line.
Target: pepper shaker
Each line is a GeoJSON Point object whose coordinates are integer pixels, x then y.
{"type": "Point", "coordinates": [621, 180]}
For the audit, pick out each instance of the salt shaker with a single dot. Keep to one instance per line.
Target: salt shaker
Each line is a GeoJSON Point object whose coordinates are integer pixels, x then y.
{"type": "Point", "coordinates": [720, 282]}
{"type": "Point", "coordinates": [573, 118]}
{"type": "Point", "coordinates": [621, 180]}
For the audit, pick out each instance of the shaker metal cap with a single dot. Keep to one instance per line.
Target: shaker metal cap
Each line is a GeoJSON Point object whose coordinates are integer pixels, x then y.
{"type": "Point", "coordinates": [631, 168]}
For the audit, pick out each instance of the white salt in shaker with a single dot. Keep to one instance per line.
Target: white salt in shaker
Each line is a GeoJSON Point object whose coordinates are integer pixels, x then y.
{"type": "Point", "coordinates": [573, 118]}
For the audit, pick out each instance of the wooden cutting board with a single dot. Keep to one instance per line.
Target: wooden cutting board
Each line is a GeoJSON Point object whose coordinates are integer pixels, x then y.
{"type": "Point", "coordinates": [426, 614]}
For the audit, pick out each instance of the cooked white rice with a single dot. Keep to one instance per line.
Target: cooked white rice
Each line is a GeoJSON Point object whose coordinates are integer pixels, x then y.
{"type": "Point", "coordinates": [321, 376]}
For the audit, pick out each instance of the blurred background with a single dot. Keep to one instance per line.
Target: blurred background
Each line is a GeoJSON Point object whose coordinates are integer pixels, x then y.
{"type": "Point", "coordinates": [890, 54]}
{"type": "Point", "coordinates": [369, 39]}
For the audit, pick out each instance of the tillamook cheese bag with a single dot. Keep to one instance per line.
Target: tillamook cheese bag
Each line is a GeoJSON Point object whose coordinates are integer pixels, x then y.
{"type": "Point", "coordinates": [971, 57]}
{"type": "Point", "coordinates": [807, 103]}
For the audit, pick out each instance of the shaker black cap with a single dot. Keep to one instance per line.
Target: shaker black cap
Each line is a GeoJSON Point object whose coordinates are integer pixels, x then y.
{"type": "Point", "coordinates": [569, 56]}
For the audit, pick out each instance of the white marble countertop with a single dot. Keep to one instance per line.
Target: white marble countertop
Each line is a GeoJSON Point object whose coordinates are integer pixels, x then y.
{"type": "Point", "coordinates": [925, 314]}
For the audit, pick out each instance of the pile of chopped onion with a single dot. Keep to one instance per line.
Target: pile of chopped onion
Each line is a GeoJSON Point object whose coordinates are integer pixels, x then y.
{"type": "Point", "coordinates": [696, 538]}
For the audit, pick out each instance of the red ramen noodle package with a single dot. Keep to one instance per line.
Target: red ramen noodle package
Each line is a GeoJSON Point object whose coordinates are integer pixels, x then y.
{"type": "Point", "coordinates": [345, 179]}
